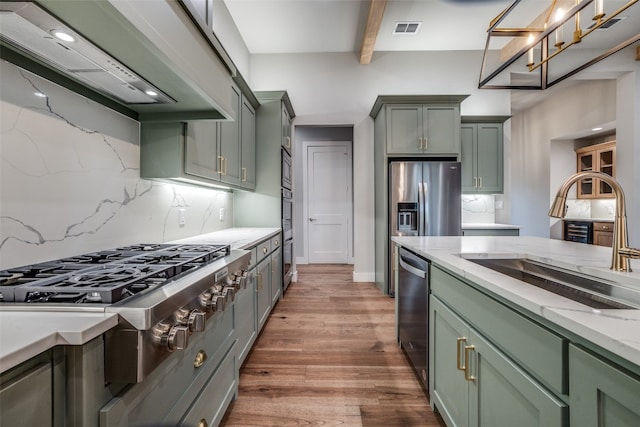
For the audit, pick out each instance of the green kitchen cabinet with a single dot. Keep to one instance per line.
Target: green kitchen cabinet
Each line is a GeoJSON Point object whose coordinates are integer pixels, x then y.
{"type": "Point", "coordinates": [247, 326]}
{"type": "Point", "coordinates": [482, 155]}
{"type": "Point", "coordinates": [423, 129]}
{"type": "Point", "coordinates": [248, 145]}
{"type": "Point", "coordinates": [602, 394]}
{"type": "Point", "coordinates": [205, 152]}
{"type": "Point", "coordinates": [476, 384]}
{"type": "Point", "coordinates": [276, 272]}
{"type": "Point", "coordinates": [263, 290]}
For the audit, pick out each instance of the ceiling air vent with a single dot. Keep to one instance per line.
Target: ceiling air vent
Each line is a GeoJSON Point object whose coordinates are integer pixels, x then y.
{"type": "Point", "coordinates": [610, 23]}
{"type": "Point", "coordinates": [406, 27]}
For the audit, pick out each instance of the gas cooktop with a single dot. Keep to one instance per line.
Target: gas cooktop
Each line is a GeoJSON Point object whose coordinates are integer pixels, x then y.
{"type": "Point", "coordinates": [104, 277]}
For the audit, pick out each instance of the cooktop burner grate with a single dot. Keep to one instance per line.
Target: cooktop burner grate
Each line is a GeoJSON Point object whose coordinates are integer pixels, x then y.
{"type": "Point", "coordinates": [104, 277]}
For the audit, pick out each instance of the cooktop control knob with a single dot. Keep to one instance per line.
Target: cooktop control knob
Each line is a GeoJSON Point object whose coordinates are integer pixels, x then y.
{"type": "Point", "coordinates": [177, 338]}
{"type": "Point", "coordinates": [211, 301]}
{"type": "Point", "coordinates": [229, 293]}
{"type": "Point", "coordinates": [196, 321]}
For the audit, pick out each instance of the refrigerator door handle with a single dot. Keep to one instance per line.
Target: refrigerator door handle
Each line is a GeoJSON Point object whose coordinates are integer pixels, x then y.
{"type": "Point", "coordinates": [421, 202]}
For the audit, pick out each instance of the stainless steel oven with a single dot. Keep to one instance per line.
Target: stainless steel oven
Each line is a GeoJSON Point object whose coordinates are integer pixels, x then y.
{"type": "Point", "coordinates": [287, 176]}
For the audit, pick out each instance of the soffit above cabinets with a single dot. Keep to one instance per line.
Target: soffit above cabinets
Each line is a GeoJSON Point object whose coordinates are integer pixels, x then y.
{"type": "Point", "coordinates": [122, 51]}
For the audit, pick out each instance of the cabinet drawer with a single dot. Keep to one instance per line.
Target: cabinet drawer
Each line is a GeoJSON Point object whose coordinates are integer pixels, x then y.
{"type": "Point", "coordinates": [537, 349]}
{"type": "Point", "coordinates": [276, 242]}
{"type": "Point", "coordinates": [603, 226]}
{"type": "Point", "coordinates": [263, 249]}
{"type": "Point", "coordinates": [216, 395]}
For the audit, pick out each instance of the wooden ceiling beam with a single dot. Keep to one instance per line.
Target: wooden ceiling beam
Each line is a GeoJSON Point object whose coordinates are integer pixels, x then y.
{"type": "Point", "coordinates": [376, 12]}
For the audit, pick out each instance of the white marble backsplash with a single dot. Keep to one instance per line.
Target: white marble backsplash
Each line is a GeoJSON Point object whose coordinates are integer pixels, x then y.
{"type": "Point", "coordinates": [70, 179]}
{"type": "Point", "coordinates": [588, 209]}
{"type": "Point", "coordinates": [478, 209]}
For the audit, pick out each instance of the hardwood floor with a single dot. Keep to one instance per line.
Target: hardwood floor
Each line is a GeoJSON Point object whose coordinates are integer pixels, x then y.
{"type": "Point", "coordinates": [328, 356]}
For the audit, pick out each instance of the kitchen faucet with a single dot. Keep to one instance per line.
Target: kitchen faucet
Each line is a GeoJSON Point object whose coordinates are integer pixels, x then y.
{"type": "Point", "coordinates": [621, 250]}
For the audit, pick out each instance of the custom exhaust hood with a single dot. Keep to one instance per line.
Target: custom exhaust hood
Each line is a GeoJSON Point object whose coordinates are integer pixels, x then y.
{"type": "Point", "coordinates": [148, 59]}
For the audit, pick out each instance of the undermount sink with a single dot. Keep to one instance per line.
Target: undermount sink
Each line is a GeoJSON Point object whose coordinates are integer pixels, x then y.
{"type": "Point", "coordinates": [590, 291]}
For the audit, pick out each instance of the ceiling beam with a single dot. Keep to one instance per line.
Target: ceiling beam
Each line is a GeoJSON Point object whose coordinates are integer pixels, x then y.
{"type": "Point", "coordinates": [376, 12]}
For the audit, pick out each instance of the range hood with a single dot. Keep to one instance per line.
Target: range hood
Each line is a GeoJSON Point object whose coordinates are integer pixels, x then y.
{"type": "Point", "coordinates": [144, 58]}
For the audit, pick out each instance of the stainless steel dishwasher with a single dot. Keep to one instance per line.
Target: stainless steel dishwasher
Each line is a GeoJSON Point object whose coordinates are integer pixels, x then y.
{"type": "Point", "coordinates": [413, 310]}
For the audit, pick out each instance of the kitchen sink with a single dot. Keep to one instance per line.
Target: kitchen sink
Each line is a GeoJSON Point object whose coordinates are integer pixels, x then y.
{"type": "Point", "coordinates": [590, 291]}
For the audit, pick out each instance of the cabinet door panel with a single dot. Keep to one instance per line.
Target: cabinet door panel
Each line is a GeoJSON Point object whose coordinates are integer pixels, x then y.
{"type": "Point", "coordinates": [468, 155]}
{"type": "Point", "coordinates": [276, 275]}
{"type": "Point", "coordinates": [404, 129]}
{"type": "Point", "coordinates": [263, 290]}
{"type": "Point", "coordinates": [201, 150]}
{"type": "Point", "coordinates": [490, 157]}
{"type": "Point", "coordinates": [600, 394]}
{"type": "Point", "coordinates": [248, 143]}
{"type": "Point", "coordinates": [441, 129]}
{"type": "Point", "coordinates": [502, 392]}
{"type": "Point", "coordinates": [447, 385]}
{"type": "Point", "coordinates": [230, 143]}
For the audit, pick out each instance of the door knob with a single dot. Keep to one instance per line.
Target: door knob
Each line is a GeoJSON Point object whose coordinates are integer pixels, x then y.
{"type": "Point", "coordinates": [312, 219]}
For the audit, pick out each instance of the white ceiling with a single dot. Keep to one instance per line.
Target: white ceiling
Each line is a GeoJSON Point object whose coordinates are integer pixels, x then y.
{"type": "Point", "coordinates": [302, 26]}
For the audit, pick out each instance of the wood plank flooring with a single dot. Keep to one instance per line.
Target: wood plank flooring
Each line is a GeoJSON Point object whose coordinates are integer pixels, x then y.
{"type": "Point", "coordinates": [328, 356]}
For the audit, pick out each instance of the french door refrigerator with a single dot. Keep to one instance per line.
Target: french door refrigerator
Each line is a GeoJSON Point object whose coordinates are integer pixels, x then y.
{"type": "Point", "coordinates": [424, 200]}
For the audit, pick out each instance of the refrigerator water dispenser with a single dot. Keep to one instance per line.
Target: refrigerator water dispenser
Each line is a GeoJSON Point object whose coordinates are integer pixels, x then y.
{"type": "Point", "coordinates": [407, 216]}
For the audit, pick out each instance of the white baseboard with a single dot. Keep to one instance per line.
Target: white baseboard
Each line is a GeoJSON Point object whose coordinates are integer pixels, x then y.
{"type": "Point", "coordinates": [301, 260]}
{"type": "Point", "coordinates": [364, 277]}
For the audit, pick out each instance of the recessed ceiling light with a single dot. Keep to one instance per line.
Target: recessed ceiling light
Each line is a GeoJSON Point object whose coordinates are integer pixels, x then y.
{"type": "Point", "coordinates": [596, 129]}
{"type": "Point", "coordinates": [40, 94]}
{"type": "Point", "coordinates": [65, 37]}
{"type": "Point", "coordinates": [151, 92]}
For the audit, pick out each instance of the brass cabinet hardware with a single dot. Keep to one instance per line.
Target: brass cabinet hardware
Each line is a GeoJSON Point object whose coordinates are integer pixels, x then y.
{"type": "Point", "coordinates": [201, 357]}
{"type": "Point", "coordinates": [426, 144]}
{"type": "Point", "coordinates": [459, 364]}
{"type": "Point", "coordinates": [203, 423]}
{"type": "Point", "coordinates": [420, 143]}
{"type": "Point", "coordinates": [467, 350]}
{"type": "Point", "coordinates": [259, 277]}
{"type": "Point", "coordinates": [265, 250]}
{"type": "Point", "coordinates": [220, 161]}
{"type": "Point", "coordinates": [244, 174]}
{"type": "Point", "coordinates": [480, 180]}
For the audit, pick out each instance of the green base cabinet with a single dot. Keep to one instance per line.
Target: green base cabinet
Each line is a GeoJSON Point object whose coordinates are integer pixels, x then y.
{"type": "Point", "coordinates": [601, 394]}
{"type": "Point", "coordinates": [475, 384]}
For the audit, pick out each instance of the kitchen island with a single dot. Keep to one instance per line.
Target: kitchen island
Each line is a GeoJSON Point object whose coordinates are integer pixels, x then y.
{"type": "Point", "coordinates": [497, 342]}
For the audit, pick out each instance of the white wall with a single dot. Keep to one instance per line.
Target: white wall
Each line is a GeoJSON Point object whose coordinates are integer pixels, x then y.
{"type": "Point", "coordinates": [571, 109]}
{"type": "Point", "coordinates": [70, 179]}
{"type": "Point", "coordinates": [333, 88]}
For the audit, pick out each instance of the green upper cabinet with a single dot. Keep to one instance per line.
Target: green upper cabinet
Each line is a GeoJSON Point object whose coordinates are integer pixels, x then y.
{"type": "Point", "coordinates": [420, 124]}
{"type": "Point", "coordinates": [248, 145]}
{"type": "Point", "coordinates": [482, 155]}
{"type": "Point", "coordinates": [229, 144]}
{"type": "Point", "coordinates": [286, 128]}
{"type": "Point", "coordinates": [423, 129]}
{"type": "Point", "coordinates": [203, 151]}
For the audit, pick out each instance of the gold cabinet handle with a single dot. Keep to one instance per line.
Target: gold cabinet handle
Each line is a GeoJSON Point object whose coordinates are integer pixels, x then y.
{"type": "Point", "coordinates": [265, 250]}
{"type": "Point", "coordinates": [426, 144]}
{"type": "Point", "coordinates": [201, 357]}
{"type": "Point", "coordinates": [480, 179]}
{"type": "Point", "coordinates": [276, 242]}
{"type": "Point", "coordinates": [420, 143]}
{"type": "Point", "coordinates": [287, 141]}
{"type": "Point", "coordinates": [475, 182]}
{"type": "Point", "coordinates": [220, 167]}
{"type": "Point", "coordinates": [244, 174]}
{"type": "Point", "coordinates": [459, 364]}
{"type": "Point", "coordinates": [259, 277]}
{"type": "Point", "coordinates": [225, 165]}
{"type": "Point", "coordinates": [467, 350]}
{"type": "Point", "coordinates": [203, 423]}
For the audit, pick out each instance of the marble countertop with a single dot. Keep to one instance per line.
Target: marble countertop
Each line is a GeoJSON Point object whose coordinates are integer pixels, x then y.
{"type": "Point", "coordinates": [615, 330]}
{"type": "Point", "coordinates": [489, 226]}
{"type": "Point", "coordinates": [27, 333]}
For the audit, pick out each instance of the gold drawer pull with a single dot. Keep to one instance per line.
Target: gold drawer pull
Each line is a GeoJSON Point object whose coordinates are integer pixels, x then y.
{"type": "Point", "coordinates": [467, 355]}
{"type": "Point", "coordinates": [459, 364]}
{"type": "Point", "coordinates": [276, 242]}
{"type": "Point", "coordinates": [265, 250]}
{"type": "Point", "coordinates": [203, 423]}
{"type": "Point", "coordinates": [201, 357]}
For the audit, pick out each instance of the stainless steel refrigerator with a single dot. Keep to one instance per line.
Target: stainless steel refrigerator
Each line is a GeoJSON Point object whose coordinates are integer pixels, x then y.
{"type": "Point", "coordinates": [424, 200]}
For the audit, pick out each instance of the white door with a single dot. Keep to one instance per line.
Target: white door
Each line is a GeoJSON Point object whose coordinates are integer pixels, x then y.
{"type": "Point", "coordinates": [328, 213]}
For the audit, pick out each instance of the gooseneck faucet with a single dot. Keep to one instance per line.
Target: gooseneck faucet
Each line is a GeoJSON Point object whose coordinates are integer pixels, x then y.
{"type": "Point", "coordinates": [621, 250]}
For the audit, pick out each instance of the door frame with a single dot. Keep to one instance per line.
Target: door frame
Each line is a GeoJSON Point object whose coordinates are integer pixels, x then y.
{"type": "Point", "coordinates": [305, 198]}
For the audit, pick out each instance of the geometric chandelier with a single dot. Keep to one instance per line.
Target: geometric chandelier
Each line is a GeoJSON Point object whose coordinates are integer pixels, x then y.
{"type": "Point", "coordinates": [534, 44]}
